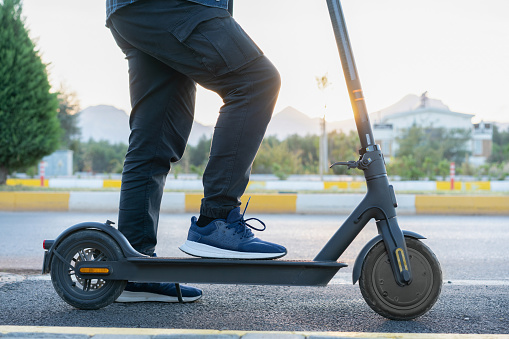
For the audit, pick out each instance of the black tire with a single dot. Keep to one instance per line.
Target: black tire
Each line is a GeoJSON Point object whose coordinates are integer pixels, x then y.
{"type": "Point", "coordinates": [386, 297]}
{"type": "Point", "coordinates": [87, 294]}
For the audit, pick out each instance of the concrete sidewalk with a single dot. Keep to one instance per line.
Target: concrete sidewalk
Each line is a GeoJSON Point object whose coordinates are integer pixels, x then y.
{"type": "Point", "coordinates": [152, 333]}
{"type": "Point", "coordinates": [301, 203]}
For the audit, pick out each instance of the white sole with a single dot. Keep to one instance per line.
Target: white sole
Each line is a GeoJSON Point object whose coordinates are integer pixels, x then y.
{"type": "Point", "coordinates": [206, 251]}
{"type": "Point", "coordinates": [136, 297]}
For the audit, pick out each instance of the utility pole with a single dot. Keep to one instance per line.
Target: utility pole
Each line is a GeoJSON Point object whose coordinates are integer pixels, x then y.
{"type": "Point", "coordinates": [324, 150]}
{"type": "Point", "coordinates": [323, 156]}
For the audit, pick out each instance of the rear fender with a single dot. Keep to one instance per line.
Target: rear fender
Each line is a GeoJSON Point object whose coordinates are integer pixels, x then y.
{"type": "Point", "coordinates": [125, 246]}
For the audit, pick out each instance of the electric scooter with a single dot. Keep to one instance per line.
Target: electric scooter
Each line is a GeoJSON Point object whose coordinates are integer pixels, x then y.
{"type": "Point", "coordinates": [399, 277]}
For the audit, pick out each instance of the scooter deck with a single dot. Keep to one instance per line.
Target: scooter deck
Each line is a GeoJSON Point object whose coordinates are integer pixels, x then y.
{"type": "Point", "coordinates": [214, 271]}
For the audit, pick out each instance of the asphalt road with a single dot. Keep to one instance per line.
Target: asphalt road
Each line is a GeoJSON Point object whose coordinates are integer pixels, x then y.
{"type": "Point", "coordinates": [473, 252]}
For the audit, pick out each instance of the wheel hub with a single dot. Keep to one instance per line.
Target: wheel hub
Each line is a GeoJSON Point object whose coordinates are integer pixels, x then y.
{"type": "Point", "coordinates": [89, 254]}
{"type": "Point", "coordinates": [403, 297]}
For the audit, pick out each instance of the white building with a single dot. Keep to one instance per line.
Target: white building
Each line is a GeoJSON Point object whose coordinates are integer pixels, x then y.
{"type": "Point", "coordinates": [58, 163]}
{"type": "Point", "coordinates": [391, 123]}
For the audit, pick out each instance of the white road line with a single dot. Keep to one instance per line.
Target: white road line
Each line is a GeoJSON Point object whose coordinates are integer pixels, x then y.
{"type": "Point", "coordinates": [504, 282]}
{"type": "Point", "coordinates": [346, 279]}
{"type": "Point", "coordinates": [339, 279]}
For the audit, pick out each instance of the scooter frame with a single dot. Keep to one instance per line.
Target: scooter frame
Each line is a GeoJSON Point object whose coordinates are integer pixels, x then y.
{"type": "Point", "coordinates": [379, 203]}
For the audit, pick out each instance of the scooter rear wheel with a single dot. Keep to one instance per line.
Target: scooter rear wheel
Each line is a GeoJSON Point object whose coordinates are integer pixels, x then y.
{"type": "Point", "coordinates": [386, 297]}
{"type": "Point", "coordinates": [88, 294]}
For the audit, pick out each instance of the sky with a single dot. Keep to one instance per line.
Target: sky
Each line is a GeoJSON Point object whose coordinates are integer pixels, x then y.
{"type": "Point", "coordinates": [456, 50]}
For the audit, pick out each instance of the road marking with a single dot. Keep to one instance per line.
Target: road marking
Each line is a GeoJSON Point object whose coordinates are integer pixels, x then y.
{"type": "Point", "coordinates": [339, 279]}
{"type": "Point", "coordinates": [346, 279]}
{"type": "Point", "coordinates": [476, 282]}
{"type": "Point", "coordinates": [92, 331]}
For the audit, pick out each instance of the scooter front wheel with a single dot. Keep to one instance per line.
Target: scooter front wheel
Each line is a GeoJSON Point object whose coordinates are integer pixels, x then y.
{"type": "Point", "coordinates": [386, 297]}
{"type": "Point", "coordinates": [88, 294]}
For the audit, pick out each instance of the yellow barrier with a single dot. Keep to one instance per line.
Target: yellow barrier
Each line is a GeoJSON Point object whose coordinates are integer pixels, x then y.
{"type": "Point", "coordinates": [256, 185]}
{"type": "Point", "coordinates": [478, 186]}
{"type": "Point", "coordinates": [436, 204]}
{"type": "Point", "coordinates": [27, 182]}
{"type": "Point", "coordinates": [260, 203]}
{"type": "Point", "coordinates": [34, 201]}
{"type": "Point", "coordinates": [468, 186]}
{"type": "Point", "coordinates": [340, 185]}
{"type": "Point", "coordinates": [343, 185]}
{"type": "Point", "coordinates": [109, 183]}
{"type": "Point", "coordinates": [269, 203]}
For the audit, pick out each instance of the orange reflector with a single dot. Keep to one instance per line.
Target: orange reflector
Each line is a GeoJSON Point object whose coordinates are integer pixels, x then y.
{"type": "Point", "coordinates": [94, 270]}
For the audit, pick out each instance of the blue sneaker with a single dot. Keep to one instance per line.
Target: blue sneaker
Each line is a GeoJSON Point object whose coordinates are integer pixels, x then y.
{"type": "Point", "coordinates": [162, 292]}
{"type": "Point", "coordinates": [229, 239]}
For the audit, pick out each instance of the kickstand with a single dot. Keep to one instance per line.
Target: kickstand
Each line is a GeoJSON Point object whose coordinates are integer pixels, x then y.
{"type": "Point", "coordinates": [179, 293]}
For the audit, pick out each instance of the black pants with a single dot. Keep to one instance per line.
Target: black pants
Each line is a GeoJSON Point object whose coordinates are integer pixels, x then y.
{"type": "Point", "coordinates": [171, 45]}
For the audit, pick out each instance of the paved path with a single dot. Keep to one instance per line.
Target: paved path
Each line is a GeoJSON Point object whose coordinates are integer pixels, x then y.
{"type": "Point", "coordinates": [473, 252]}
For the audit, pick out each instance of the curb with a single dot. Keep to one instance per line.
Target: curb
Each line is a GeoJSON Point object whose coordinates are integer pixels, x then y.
{"type": "Point", "coordinates": [326, 203]}
{"type": "Point", "coordinates": [149, 333]}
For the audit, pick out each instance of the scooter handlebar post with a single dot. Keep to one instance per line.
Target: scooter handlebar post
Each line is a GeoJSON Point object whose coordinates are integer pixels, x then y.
{"type": "Point", "coordinates": [351, 76]}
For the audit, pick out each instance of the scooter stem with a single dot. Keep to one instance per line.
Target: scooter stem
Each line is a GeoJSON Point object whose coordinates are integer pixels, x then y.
{"type": "Point", "coordinates": [380, 200]}
{"type": "Point", "coordinates": [350, 70]}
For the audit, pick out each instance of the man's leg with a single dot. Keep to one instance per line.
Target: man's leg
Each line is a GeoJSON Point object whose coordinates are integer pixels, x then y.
{"type": "Point", "coordinates": [249, 96]}
{"type": "Point", "coordinates": [161, 118]}
{"type": "Point", "coordinates": [208, 46]}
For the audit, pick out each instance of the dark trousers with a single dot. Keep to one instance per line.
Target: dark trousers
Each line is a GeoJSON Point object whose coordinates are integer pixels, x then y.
{"type": "Point", "coordinates": [171, 45]}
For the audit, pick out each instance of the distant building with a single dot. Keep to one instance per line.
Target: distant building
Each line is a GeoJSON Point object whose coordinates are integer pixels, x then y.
{"type": "Point", "coordinates": [482, 142]}
{"type": "Point", "coordinates": [58, 163]}
{"type": "Point", "coordinates": [390, 124]}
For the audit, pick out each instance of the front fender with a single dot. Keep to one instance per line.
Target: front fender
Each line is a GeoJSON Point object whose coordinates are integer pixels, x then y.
{"type": "Point", "coordinates": [357, 267]}
{"type": "Point", "coordinates": [126, 247]}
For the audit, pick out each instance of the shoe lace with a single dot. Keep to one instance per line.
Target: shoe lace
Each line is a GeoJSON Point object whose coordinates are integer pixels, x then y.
{"type": "Point", "coordinates": [242, 226]}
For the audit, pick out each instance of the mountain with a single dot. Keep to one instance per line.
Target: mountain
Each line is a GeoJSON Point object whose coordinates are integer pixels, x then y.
{"type": "Point", "coordinates": [409, 102]}
{"type": "Point", "coordinates": [104, 123]}
{"type": "Point", "coordinates": [291, 121]}
{"type": "Point", "coordinates": [109, 123]}
{"type": "Point", "coordinates": [198, 131]}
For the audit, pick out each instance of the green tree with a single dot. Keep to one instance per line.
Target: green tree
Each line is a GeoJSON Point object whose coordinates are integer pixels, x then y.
{"type": "Point", "coordinates": [68, 115]}
{"type": "Point", "coordinates": [275, 157]}
{"type": "Point", "coordinates": [405, 166]}
{"type": "Point", "coordinates": [435, 143]}
{"type": "Point", "coordinates": [199, 155]}
{"type": "Point", "coordinates": [307, 149]}
{"type": "Point", "coordinates": [427, 152]}
{"type": "Point", "coordinates": [100, 157]}
{"type": "Point", "coordinates": [29, 127]}
{"type": "Point", "coordinates": [195, 158]}
{"type": "Point", "coordinates": [500, 148]}
{"type": "Point", "coordinates": [263, 162]}
{"type": "Point", "coordinates": [343, 147]}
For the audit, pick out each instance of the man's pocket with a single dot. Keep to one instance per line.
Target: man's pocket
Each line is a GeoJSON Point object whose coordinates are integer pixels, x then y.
{"type": "Point", "coordinates": [217, 41]}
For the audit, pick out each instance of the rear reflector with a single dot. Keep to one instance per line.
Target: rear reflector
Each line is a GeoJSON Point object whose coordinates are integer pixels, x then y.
{"type": "Point", "coordinates": [94, 270]}
{"type": "Point", "coordinates": [46, 244]}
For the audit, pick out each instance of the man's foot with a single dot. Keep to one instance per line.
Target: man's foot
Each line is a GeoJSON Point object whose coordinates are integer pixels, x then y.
{"type": "Point", "coordinates": [162, 292]}
{"type": "Point", "coordinates": [229, 239]}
